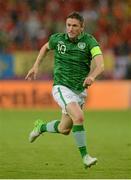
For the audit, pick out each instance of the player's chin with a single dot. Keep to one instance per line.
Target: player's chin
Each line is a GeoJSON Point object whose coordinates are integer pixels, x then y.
{"type": "Point", "coordinates": [72, 36]}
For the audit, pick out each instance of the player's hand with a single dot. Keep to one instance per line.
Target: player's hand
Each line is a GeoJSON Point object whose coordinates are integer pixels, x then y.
{"type": "Point", "coordinates": [32, 74]}
{"type": "Point", "coordinates": [88, 82]}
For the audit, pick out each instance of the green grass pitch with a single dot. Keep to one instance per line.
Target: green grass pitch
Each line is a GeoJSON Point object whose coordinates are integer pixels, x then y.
{"type": "Point", "coordinates": [56, 156]}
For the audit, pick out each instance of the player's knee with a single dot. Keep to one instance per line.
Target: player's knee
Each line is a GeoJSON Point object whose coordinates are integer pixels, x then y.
{"type": "Point", "coordinates": [79, 119]}
{"type": "Point", "coordinates": [64, 131]}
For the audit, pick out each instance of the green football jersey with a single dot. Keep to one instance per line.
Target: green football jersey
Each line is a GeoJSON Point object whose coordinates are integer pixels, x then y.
{"type": "Point", "coordinates": [73, 59]}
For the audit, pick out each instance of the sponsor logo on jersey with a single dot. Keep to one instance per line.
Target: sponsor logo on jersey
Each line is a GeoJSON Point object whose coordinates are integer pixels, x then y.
{"type": "Point", "coordinates": [81, 45]}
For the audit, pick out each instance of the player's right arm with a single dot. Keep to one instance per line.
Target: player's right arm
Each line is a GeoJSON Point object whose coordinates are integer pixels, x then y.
{"type": "Point", "coordinates": [32, 74]}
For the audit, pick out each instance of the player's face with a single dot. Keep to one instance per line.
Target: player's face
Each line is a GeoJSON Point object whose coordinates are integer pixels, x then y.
{"type": "Point", "coordinates": [73, 27]}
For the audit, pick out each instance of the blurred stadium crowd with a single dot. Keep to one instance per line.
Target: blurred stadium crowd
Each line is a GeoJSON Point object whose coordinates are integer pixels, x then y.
{"type": "Point", "coordinates": [26, 25]}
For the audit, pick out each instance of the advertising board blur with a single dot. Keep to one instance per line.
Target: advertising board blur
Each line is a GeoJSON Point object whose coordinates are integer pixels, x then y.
{"type": "Point", "coordinates": [37, 94]}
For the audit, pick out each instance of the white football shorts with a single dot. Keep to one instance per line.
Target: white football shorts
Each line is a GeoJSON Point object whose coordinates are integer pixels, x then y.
{"type": "Point", "coordinates": [63, 96]}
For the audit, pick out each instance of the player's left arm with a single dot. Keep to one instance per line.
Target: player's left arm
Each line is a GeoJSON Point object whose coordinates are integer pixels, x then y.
{"type": "Point", "coordinates": [98, 69]}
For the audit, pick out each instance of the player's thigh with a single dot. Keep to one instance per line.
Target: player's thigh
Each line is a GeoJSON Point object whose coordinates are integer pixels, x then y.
{"type": "Point", "coordinates": [63, 96]}
{"type": "Point", "coordinates": [65, 124]}
{"type": "Point", "coordinates": [75, 112]}
{"type": "Point", "coordinates": [66, 121]}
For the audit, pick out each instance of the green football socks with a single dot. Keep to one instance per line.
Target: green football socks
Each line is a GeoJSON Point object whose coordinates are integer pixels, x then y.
{"type": "Point", "coordinates": [80, 138]}
{"type": "Point", "coordinates": [50, 127]}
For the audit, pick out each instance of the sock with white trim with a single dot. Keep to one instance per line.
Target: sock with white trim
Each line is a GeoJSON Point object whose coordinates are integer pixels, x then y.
{"type": "Point", "coordinates": [50, 127]}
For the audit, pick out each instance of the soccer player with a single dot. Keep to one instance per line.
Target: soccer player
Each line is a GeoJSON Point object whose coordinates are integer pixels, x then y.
{"type": "Point", "coordinates": [74, 52]}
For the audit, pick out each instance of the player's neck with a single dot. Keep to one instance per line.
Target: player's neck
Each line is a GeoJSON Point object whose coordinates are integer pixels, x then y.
{"type": "Point", "coordinates": [74, 38]}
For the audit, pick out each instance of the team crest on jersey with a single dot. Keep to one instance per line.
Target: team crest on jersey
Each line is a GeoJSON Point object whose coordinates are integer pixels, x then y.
{"type": "Point", "coordinates": [81, 45]}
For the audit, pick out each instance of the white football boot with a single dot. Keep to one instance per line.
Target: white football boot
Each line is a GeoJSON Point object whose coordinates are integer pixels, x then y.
{"type": "Point", "coordinates": [89, 161]}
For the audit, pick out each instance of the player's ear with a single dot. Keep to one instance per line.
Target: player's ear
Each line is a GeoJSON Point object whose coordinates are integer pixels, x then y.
{"type": "Point", "coordinates": [82, 26]}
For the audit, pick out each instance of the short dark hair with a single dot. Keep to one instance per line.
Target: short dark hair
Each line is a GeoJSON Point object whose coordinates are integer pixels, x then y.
{"type": "Point", "coordinates": [77, 16]}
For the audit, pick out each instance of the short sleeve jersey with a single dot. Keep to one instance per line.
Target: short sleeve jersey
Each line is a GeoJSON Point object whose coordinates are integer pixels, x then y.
{"type": "Point", "coordinates": [73, 59]}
